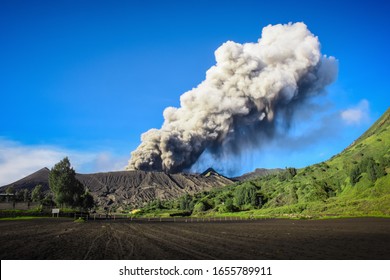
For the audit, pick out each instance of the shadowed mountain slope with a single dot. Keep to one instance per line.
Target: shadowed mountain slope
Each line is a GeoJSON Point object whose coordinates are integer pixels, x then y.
{"type": "Point", "coordinates": [136, 187]}
{"type": "Point", "coordinates": [131, 187]}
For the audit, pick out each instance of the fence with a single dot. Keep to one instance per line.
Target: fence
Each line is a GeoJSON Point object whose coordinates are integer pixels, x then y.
{"type": "Point", "coordinates": [100, 217]}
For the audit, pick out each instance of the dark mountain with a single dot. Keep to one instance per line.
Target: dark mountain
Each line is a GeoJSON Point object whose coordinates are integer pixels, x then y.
{"type": "Point", "coordinates": [137, 187]}
{"type": "Point", "coordinates": [131, 187]}
{"type": "Point", "coordinates": [209, 171]}
{"type": "Point", "coordinates": [37, 178]}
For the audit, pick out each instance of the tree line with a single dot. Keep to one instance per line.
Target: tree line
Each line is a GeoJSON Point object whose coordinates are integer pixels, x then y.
{"type": "Point", "coordinates": [65, 190]}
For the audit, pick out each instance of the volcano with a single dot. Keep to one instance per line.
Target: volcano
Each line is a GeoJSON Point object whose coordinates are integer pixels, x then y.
{"type": "Point", "coordinates": [133, 188]}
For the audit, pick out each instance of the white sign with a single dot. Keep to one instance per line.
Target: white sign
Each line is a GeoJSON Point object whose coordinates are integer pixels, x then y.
{"type": "Point", "coordinates": [55, 211]}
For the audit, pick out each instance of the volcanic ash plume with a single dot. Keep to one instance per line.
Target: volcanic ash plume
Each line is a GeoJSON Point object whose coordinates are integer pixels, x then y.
{"type": "Point", "coordinates": [239, 99]}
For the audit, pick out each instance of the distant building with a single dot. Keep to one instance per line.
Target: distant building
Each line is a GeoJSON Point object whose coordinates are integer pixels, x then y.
{"type": "Point", "coordinates": [5, 196]}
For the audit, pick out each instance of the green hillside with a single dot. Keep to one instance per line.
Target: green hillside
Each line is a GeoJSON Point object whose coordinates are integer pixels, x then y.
{"type": "Point", "coordinates": [355, 182]}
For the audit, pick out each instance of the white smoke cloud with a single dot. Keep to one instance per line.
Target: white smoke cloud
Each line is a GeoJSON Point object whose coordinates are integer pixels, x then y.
{"type": "Point", "coordinates": [358, 114]}
{"type": "Point", "coordinates": [238, 105]}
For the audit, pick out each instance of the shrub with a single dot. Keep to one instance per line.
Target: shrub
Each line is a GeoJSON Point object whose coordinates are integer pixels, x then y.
{"type": "Point", "coordinates": [291, 171]}
{"type": "Point", "coordinates": [186, 203]}
{"type": "Point", "coordinates": [200, 207]}
{"type": "Point", "coordinates": [37, 194]}
{"type": "Point", "coordinates": [229, 205]}
{"type": "Point", "coordinates": [80, 220]}
{"type": "Point", "coordinates": [245, 194]}
{"type": "Point", "coordinates": [354, 175]}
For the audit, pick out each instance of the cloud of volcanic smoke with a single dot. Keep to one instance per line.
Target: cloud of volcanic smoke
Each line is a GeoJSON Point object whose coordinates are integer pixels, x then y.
{"type": "Point", "coordinates": [249, 86]}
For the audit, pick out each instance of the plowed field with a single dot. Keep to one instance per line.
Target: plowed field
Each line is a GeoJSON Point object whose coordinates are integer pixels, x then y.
{"type": "Point", "coordinates": [61, 238]}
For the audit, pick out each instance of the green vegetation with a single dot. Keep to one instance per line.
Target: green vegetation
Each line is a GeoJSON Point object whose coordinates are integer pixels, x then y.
{"type": "Point", "coordinates": [37, 194]}
{"type": "Point", "coordinates": [79, 220]}
{"type": "Point", "coordinates": [38, 212]}
{"type": "Point", "coordinates": [67, 190]}
{"type": "Point", "coordinates": [18, 218]}
{"type": "Point", "coordinates": [10, 190]}
{"type": "Point", "coordinates": [355, 182]}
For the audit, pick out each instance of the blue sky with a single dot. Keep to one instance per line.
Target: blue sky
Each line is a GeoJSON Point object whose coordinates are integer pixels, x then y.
{"type": "Point", "coordinates": [86, 78]}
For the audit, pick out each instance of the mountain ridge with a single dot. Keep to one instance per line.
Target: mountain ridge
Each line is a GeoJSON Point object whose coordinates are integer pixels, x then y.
{"type": "Point", "coordinates": [134, 187]}
{"type": "Point", "coordinates": [130, 187]}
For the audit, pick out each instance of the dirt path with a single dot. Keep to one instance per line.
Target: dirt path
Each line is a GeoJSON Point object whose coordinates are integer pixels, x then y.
{"type": "Point", "coordinates": [363, 238]}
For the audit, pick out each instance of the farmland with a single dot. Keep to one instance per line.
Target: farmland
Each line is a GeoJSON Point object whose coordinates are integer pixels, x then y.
{"type": "Point", "coordinates": [62, 238]}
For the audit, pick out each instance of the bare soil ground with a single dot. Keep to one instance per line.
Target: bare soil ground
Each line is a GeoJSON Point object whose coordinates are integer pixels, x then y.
{"type": "Point", "coordinates": [61, 238]}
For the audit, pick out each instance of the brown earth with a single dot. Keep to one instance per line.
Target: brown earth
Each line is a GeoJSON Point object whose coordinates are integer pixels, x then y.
{"type": "Point", "coordinates": [61, 238]}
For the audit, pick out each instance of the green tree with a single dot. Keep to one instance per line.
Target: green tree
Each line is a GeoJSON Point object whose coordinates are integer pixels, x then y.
{"type": "Point", "coordinates": [291, 171]}
{"type": "Point", "coordinates": [26, 195]}
{"type": "Point", "coordinates": [66, 188]}
{"type": "Point", "coordinates": [246, 194]}
{"type": "Point", "coordinates": [200, 207]}
{"type": "Point", "coordinates": [227, 206]}
{"type": "Point", "coordinates": [368, 165]}
{"type": "Point", "coordinates": [11, 192]}
{"type": "Point", "coordinates": [37, 194]}
{"type": "Point", "coordinates": [19, 195]}
{"type": "Point", "coordinates": [384, 162]}
{"type": "Point", "coordinates": [186, 203]}
{"type": "Point", "coordinates": [354, 175]}
{"type": "Point", "coordinates": [87, 200]}
{"type": "Point", "coordinates": [159, 204]}
{"type": "Point", "coordinates": [374, 170]}
{"type": "Point", "coordinates": [48, 199]}
{"type": "Point", "coordinates": [155, 204]}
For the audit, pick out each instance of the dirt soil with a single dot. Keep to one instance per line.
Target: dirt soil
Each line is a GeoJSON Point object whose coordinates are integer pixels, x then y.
{"type": "Point", "coordinates": [61, 238]}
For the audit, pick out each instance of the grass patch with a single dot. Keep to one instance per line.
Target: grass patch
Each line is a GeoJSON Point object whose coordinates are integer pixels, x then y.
{"type": "Point", "coordinates": [19, 218]}
{"type": "Point", "coordinates": [79, 220]}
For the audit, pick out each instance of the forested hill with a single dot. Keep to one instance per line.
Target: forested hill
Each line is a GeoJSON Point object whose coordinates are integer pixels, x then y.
{"type": "Point", "coordinates": [353, 183]}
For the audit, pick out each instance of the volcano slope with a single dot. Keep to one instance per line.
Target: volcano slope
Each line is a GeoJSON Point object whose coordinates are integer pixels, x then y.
{"type": "Point", "coordinates": [353, 183]}
{"type": "Point", "coordinates": [132, 188]}
{"type": "Point", "coordinates": [61, 238]}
